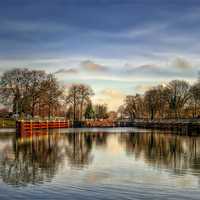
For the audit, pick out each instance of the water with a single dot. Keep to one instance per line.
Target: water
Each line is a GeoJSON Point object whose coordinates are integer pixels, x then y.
{"type": "Point", "coordinates": [100, 164]}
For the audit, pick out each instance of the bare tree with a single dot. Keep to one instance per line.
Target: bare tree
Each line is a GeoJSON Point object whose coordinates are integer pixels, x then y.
{"type": "Point", "coordinates": [151, 102]}
{"type": "Point", "coordinates": [89, 111]}
{"type": "Point", "coordinates": [51, 93]}
{"type": "Point", "coordinates": [73, 99]}
{"type": "Point", "coordinates": [121, 112]}
{"type": "Point", "coordinates": [12, 88]}
{"type": "Point", "coordinates": [195, 98]}
{"type": "Point", "coordinates": [134, 106]}
{"type": "Point", "coordinates": [177, 95]}
{"type": "Point", "coordinates": [24, 89]}
{"type": "Point", "coordinates": [85, 93]}
{"type": "Point", "coordinates": [78, 96]}
{"type": "Point", "coordinates": [156, 101]}
{"type": "Point", "coordinates": [21, 88]}
{"type": "Point", "coordinates": [34, 89]}
{"type": "Point", "coordinates": [101, 111]}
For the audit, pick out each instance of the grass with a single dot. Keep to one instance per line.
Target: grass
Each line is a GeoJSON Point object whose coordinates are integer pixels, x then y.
{"type": "Point", "coordinates": [7, 123]}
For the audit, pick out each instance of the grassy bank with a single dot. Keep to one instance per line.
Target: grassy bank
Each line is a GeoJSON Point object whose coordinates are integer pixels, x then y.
{"type": "Point", "coordinates": [7, 123]}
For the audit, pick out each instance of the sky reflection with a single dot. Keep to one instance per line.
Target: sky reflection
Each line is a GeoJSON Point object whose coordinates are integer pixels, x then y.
{"type": "Point", "coordinates": [101, 158]}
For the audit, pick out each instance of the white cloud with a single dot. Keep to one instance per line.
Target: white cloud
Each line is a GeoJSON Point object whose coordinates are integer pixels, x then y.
{"type": "Point", "coordinates": [141, 88]}
{"type": "Point", "coordinates": [112, 97]}
{"type": "Point", "coordinates": [91, 66]}
{"type": "Point", "coordinates": [67, 71]}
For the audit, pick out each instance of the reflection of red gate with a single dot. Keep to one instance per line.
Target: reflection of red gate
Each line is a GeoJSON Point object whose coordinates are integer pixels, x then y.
{"type": "Point", "coordinates": [32, 133]}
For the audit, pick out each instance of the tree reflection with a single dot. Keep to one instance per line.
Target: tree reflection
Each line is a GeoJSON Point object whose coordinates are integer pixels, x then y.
{"type": "Point", "coordinates": [164, 150]}
{"type": "Point", "coordinates": [37, 157]}
{"type": "Point", "coordinates": [33, 159]}
{"type": "Point", "coordinates": [80, 145]}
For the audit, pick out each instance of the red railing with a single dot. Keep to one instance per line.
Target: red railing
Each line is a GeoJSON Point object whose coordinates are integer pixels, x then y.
{"type": "Point", "coordinates": [26, 126]}
{"type": "Point", "coordinates": [29, 126]}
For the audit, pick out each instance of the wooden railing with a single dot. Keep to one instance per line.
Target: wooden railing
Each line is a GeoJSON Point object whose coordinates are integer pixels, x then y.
{"type": "Point", "coordinates": [26, 126]}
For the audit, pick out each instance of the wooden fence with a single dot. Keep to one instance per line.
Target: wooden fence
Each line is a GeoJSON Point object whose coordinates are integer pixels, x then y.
{"type": "Point", "coordinates": [28, 126]}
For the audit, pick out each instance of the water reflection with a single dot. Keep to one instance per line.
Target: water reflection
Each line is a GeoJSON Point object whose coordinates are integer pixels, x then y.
{"type": "Point", "coordinates": [38, 157]}
{"type": "Point", "coordinates": [33, 159]}
{"type": "Point", "coordinates": [78, 149]}
{"type": "Point", "coordinates": [164, 150]}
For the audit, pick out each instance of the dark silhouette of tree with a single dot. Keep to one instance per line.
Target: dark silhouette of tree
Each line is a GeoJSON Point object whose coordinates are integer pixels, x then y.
{"type": "Point", "coordinates": [194, 100]}
{"type": "Point", "coordinates": [85, 93]}
{"type": "Point", "coordinates": [177, 96]}
{"type": "Point", "coordinates": [20, 88]}
{"type": "Point", "coordinates": [78, 150]}
{"type": "Point", "coordinates": [34, 160]}
{"type": "Point", "coordinates": [25, 89]}
{"type": "Point", "coordinates": [89, 112]}
{"type": "Point", "coordinates": [176, 99]}
{"type": "Point", "coordinates": [101, 111]}
{"type": "Point", "coordinates": [163, 150]}
{"type": "Point", "coordinates": [51, 93]}
{"type": "Point", "coordinates": [79, 96]}
{"type": "Point", "coordinates": [134, 106]}
{"type": "Point", "coordinates": [151, 102]}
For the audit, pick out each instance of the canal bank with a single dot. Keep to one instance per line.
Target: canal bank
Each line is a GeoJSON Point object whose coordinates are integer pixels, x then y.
{"type": "Point", "coordinates": [181, 126]}
{"type": "Point", "coordinates": [191, 126]}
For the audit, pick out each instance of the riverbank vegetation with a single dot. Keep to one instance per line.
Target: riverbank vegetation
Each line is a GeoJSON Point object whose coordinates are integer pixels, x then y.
{"type": "Point", "coordinates": [175, 100]}
{"type": "Point", "coordinates": [36, 94]}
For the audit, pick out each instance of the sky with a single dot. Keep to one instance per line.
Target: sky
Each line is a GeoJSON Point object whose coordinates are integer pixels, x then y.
{"type": "Point", "coordinates": [118, 47]}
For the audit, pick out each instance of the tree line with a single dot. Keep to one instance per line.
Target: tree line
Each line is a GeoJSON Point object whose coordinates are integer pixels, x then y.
{"type": "Point", "coordinates": [31, 93]}
{"type": "Point", "coordinates": [177, 99]}
{"type": "Point", "coordinates": [79, 104]}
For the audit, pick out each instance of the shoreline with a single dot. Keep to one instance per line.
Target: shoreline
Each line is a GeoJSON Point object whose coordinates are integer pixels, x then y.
{"type": "Point", "coordinates": [182, 126]}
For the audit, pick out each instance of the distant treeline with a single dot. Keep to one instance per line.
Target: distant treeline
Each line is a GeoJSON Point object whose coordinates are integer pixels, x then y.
{"type": "Point", "coordinates": [177, 99]}
{"type": "Point", "coordinates": [31, 93]}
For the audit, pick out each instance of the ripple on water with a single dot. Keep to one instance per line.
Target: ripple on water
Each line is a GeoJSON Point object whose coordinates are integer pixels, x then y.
{"type": "Point", "coordinates": [100, 164]}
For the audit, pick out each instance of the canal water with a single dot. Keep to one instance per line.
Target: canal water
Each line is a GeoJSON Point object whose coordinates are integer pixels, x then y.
{"type": "Point", "coordinates": [104, 164]}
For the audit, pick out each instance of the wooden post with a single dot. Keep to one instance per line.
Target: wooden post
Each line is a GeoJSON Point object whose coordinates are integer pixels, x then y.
{"type": "Point", "coordinates": [21, 127]}
{"type": "Point", "coordinates": [31, 126]}
{"type": "Point", "coordinates": [18, 128]}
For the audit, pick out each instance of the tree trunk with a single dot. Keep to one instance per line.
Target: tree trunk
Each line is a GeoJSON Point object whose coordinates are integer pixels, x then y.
{"type": "Point", "coordinates": [81, 111]}
{"type": "Point", "coordinates": [152, 114]}
{"type": "Point", "coordinates": [49, 111]}
{"type": "Point", "coordinates": [33, 110]}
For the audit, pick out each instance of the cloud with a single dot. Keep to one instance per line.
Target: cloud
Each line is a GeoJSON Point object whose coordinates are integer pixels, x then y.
{"type": "Point", "coordinates": [112, 93]}
{"type": "Point", "coordinates": [147, 70]}
{"type": "Point", "coordinates": [181, 63]}
{"type": "Point", "coordinates": [112, 97]}
{"type": "Point", "coordinates": [89, 65]}
{"type": "Point", "coordinates": [141, 88]}
{"type": "Point", "coordinates": [176, 68]}
{"type": "Point", "coordinates": [67, 71]}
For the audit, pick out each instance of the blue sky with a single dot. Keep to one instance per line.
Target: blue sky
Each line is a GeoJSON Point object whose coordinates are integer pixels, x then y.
{"type": "Point", "coordinates": [119, 47]}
